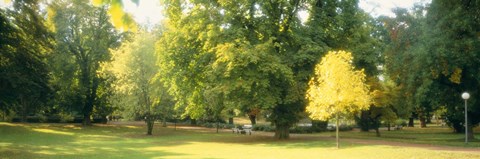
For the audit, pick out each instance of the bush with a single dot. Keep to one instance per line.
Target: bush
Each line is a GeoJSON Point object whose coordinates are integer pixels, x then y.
{"type": "Point", "coordinates": [7, 116]}
{"type": "Point", "coordinates": [66, 117]}
{"type": "Point", "coordinates": [228, 126]}
{"type": "Point", "coordinates": [261, 127]}
{"type": "Point", "coordinates": [220, 125]}
{"type": "Point", "coordinates": [207, 125]}
{"type": "Point", "coordinates": [345, 128]}
{"type": "Point", "coordinates": [41, 118]}
{"type": "Point", "coordinates": [99, 119]}
{"type": "Point", "coordinates": [401, 122]}
{"type": "Point", "coordinates": [316, 129]}
{"type": "Point", "coordinates": [318, 125]}
{"type": "Point", "coordinates": [77, 119]}
{"type": "Point", "coordinates": [301, 129]}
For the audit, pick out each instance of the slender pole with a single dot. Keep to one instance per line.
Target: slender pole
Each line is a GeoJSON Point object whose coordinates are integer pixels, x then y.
{"type": "Point", "coordinates": [336, 125]}
{"type": "Point", "coordinates": [466, 123]}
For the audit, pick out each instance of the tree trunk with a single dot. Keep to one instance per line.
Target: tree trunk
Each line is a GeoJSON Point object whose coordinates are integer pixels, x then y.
{"type": "Point", "coordinates": [150, 123]}
{"type": "Point", "coordinates": [410, 122]}
{"type": "Point", "coordinates": [337, 127]}
{"type": "Point", "coordinates": [253, 119]}
{"type": "Point", "coordinates": [388, 126]}
{"type": "Point", "coordinates": [104, 119]}
{"type": "Point", "coordinates": [217, 125]}
{"type": "Point", "coordinates": [175, 122]}
{"type": "Point", "coordinates": [24, 113]}
{"type": "Point", "coordinates": [4, 112]}
{"type": "Point", "coordinates": [86, 119]}
{"type": "Point", "coordinates": [377, 131]}
{"type": "Point", "coordinates": [429, 118]}
{"type": "Point", "coordinates": [423, 122]}
{"type": "Point", "coordinates": [193, 122]}
{"type": "Point", "coordinates": [164, 121]}
{"type": "Point", "coordinates": [470, 134]}
{"type": "Point", "coordinates": [90, 99]}
{"type": "Point", "coordinates": [24, 109]}
{"type": "Point", "coordinates": [282, 132]}
{"type": "Point", "coordinates": [364, 121]}
{"type": "Point", "coordinates": [87, 112]}
{"type": "Point", "coordinates": [87, 92]}
{"type": "Point", "coordinates": [230, 120]}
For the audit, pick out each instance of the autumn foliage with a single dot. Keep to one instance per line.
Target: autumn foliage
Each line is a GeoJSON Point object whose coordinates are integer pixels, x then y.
{"type": "Point", "coordinates": [336, 87]}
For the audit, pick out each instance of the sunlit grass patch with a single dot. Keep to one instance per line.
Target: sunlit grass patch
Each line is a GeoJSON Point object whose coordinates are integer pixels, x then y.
{"type": "Point", "coordinates": [132, 127]}
{"type": "Point", "coordinates": [9, 124]}
{"type": "Point", "coordinates": [5, 144]}
{"type": "Point", "coordinates": [72, 126]}
{"type": "Point", "coordinates": [52, 131]}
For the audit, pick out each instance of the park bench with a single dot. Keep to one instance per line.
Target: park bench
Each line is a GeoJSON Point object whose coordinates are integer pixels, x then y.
{"type": "Point", "coordinates": [245, 129]}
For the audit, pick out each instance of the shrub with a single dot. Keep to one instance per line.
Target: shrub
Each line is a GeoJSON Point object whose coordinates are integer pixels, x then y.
{"type": "Point", "coordinates": [345, 128]}
{"type": "Point", "coordinates": [401, 122]}
{"type": "Point", "coordinates": [318, 125]}
{"type": "Point", "coordinates": [66, 117]}
{"type": "Point", "coordinates": [228, 126]}
{"type": "Point", "coordinates": [261, 127]}
{"type": "Point", "coordinates": [41, 118]}
{"type": "Point", "coordinates": [220, 125]}
{"type": "Point", "coordinates": [8, 115]}
{"type": "Point", "coordinates": [208, 125]}
{"type": "Point", "coordinates": [301, 129]}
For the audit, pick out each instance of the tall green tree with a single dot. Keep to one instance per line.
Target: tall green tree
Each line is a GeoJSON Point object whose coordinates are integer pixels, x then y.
{"type": "Point", "coordinates": [238, 52]}
{"type": "Point", "coordinates": [451, 61]}
{"type": "Point", "coordinates": [134, 66]}
{"type": "Point", "coordinates": [25, 43]}
{"type": "Point", "coordinates": [342, 25]}
{"type": "Point", "coordinates": [84, 36]}
{"type": "Point", "coordinates": [404, 39]}
{"type": "Point", "coordinates": [384, 95]}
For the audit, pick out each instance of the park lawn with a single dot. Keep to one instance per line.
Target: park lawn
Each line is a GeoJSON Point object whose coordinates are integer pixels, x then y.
{"type": "Point", "coordinates": [432, 135]}
{"type": "Point", "coordinates": [127, 141]}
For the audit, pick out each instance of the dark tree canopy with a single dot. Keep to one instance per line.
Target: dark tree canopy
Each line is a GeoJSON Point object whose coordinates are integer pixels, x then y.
{"type": "Point", "coordinates": [24, 44]}
{"type": "Point", "coordinates": [84, 36]}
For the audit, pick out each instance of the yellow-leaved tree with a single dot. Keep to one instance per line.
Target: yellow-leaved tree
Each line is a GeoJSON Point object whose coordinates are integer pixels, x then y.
{"type": "Point", "coordinates": [119, 18]}
{"type": "Point", "coordinates": [336, 88]}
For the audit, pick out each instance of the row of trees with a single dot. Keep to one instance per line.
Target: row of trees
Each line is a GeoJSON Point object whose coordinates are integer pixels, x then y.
{"type": "Point", "coordinates": [248, 55]}
{"type": "Point", "coordinates": [52, 62]}
{"type": "Point", "coordinates": [210, 59]}
{"type": "Point", "coordinates": [432, 55]}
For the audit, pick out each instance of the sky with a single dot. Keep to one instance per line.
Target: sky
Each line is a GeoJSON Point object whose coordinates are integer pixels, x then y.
{"type": "Point", "coordinates": [149, 12]}
{"type": "Point", "coordinates": [146, 12]}
{"type": "Point", "coordinates": [384, 7]}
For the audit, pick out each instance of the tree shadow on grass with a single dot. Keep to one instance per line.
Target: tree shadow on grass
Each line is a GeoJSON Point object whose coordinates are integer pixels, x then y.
{"type": "Point", "coordinates": [264, 139]}
{"type": "Point", "coordinates": [58, 141]}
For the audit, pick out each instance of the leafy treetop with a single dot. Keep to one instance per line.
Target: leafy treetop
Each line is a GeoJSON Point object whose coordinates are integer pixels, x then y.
{"type": "Point", "coordinates": [337, 87]}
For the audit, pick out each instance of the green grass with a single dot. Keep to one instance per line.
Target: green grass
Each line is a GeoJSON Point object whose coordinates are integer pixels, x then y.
{"type": "Point", "coordinates": [433, 135]}
{"type": "Point", "coordinates": [123, 141]}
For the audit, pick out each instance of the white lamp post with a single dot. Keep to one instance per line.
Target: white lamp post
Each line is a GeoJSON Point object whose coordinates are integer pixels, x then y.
{"type": "Point", "coordinates": [465, 96]}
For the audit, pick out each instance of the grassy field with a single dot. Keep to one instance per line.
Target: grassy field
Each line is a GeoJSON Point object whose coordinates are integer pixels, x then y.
{"type": "Point", "coordinates": [129, 141]}
{"type": "Point", "coordinates": [433, 135]}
